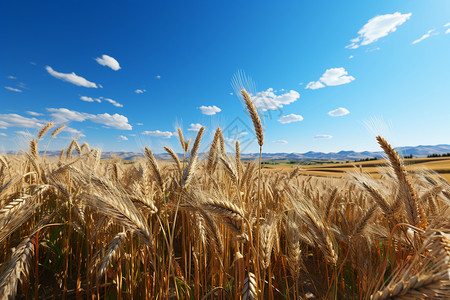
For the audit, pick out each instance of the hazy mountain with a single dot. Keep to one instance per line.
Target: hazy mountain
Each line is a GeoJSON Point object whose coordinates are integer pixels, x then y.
{"type": "Point", "coordinates": [416, 151]}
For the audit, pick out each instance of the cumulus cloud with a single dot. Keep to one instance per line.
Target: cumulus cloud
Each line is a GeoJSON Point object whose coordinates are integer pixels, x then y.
{"type": "Point", "coordinates": [108, 61]}
{"type": "Point", "coordinates": [123, 138]}
{"type": "Point", "coordinates": [63, 115]}
{"type": "Point", "coordinates": [378, 27]}
{"type": "Point", "coordinates": [290, 118]}
{"type": "Point", "coordinates": [209, 110]}
{"type": "Point", "coordinates": [268, 100]}
{"type": "Point", "coordinates": [159, 133]}
{"type": "Point", "coordinates": [447, 31]}
{"type": "Point", "coordinates": [323, 136]}
{"type": "Point", "coordinates": [14, 120]}
{"type": "Point", "coordinates": [113, 102]}
{"type": "Point", "coordinates": [280, 142]}
{"type": "Point", "coordinates": [331, 77]}
{"type": "Point", "coordinates": [425, 36]}
{"type": "Point", "coordinates": [195, 127]}
{"type": "Point", "coordinates": [90, 99]}
{"type": "Point", "coordinates": [138, 91]}
{"type": "Point", "coordinates": [339, 112]}
{"type": "Point", "coordinates": [32, 113]}
{"type": "Point", "coordinates": [13, 89]}
{"type": "Point", "coordinates": [71, 77]}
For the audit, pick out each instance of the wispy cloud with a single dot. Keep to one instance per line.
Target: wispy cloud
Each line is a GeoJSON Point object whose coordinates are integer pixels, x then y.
{"type": "Point", "coordinates": [331, 77]}
{"type": "Point", "coordinates": [32, 113]}
{"type": "Point", "coordinates": [378, 27]}
{"type": "Point", "coordinates": [74, 132]}
{"type": "Point", "coordinates": [3, 134]}
{"type": "Point", "coordinates": [158, 76]}
{"type": "Point", "coordinates": [71, 77]}
{"type": "Point", "coordinates": [90, 99]}
{"type": "Point", "coordinates": [209, 110]}
{"type": "Point", "coordinates": [123, 138]}
{"type": "Point", "coordinates": [15, 120]}
{"type": "Point", "coordinates": [425, 36]}
{"type": "Point", "coordinates": [339, 112]}
{"type": "Point", "coordinates": [11, 77]}
{"type": "Point", "coordinates": [159, 133]}
{"type": "Point", "coordinates": [323, 136]}
{"type": "Point", "coordinates": [139, 124]}
{"type": "Point", "coordinates": [138, 91]}
{"type": "Point", "coordinates": [13, 89]}
{"type": "Point", "coordinates": [63, 115]}
{"type": "Point", "coordinates": [314, 85]}
{"type": "Point", "coordinates": [195, 127]}
{"type": "Point", "coordinates": [24, 133]}
{"type": "Point", "coordinates": [113, 102]}
{"type": "Point", "coordinates": [290, 118]}
{"type": "Point", "coordinates": [268, 100]}
{"type": "Point", "coordinates": [108, 61]}
{"type": "Point", "coordinates": [280, 142]}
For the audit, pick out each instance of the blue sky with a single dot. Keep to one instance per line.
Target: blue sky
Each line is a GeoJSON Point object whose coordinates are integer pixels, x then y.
{"type": "Point", "coordinates": [124, 74]}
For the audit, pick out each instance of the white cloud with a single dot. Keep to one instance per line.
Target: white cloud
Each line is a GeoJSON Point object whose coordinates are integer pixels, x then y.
{"type": "Point", "coordinates": [11, 77]}
{"type": "Point", "coordinates": [108, 61]}
{"type": "Point", "coordinates": [351, 56]}
{"type": "Point", "coordinates": [447, 25]}
{"type": "Point", "coordinates": [63, 115]}
{"type": "Point", "coordinates": [268, 100]}
{"type": "Point", "coordinates": [90, 99]}
{"type": "Point", "coordinates": [195, 127]}
{"type": "Point", "coordinates": [336, 76]}
{"type": "Point", "coordinates": [323, 136]}
{"type": "Point", "coordinates": [314, 85]}
{"type": "Point", "coordinates": [123, 138]}
{"type": "Point", "coordinates": [209, 110]}
{"type": "Point", "coordinates": [32, 113]}
{"type": "Point", "coordinates": [139, 124]}
{"type": "Point", "coordinates": [280, 142]}
{"type": "Point", "coordinates": [339, 112]}
{"type": "Point", "coordinates": [331, 77]}
{"type": "Point", "coordinates": [14, 120]}
{"type": "Point", "coordinates": [13, 89]}
{"type": "Point", "coordinates": [132, 134]}
{"type": "Point", "coordinates": [138, 91]}
{"type": "Point", "coordinates": [2, 134]}
{"type": "Point", "coordinates": [113, 102]}
{"type": "Point", "coordinates": [24, 133]}
{"type": "Point", "coordinates": [158, 76]}
{"type": "Point", "coordinates": [425, 36]}
{"type": "Point", "coordinates": [71, 77]}
{"type": "Point", "coordinates": [290, 118]}
{"type": "Point", "coordinates": [74, 132]}
{"type": "Point", "coordinates": [159, 133]}
{"type": "Point", "coordinates": [33, 63]}
{"type": "Point", "coordinates": [447, 31]}
{"type": "Point", "coordinates": [378, 27]}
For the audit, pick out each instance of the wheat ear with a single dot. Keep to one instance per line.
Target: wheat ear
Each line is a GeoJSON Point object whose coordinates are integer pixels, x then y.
{"type": "Point", "coordinates": [255, 117]}
{"type": "Point", "coordinates": [154, 165]}
{"type": "Point", "coordinates": [414, 211]}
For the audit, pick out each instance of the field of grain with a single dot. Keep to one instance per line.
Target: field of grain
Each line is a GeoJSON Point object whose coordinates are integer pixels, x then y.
{"type": "Point", "coordinates": [78, 227]}
{"type": "Point", "coordinates": [441, 165]}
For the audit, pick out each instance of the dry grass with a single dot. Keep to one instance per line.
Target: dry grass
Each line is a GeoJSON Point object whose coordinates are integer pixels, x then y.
{"type": "Point", "coordinates": [79, 227]}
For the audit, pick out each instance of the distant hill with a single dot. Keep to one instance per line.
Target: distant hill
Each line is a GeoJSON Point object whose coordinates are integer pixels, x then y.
{"type": "Point", "coordinates": [416, 151]}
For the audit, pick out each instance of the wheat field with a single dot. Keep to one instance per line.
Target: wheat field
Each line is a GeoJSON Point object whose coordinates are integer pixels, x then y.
{"type": "Point", "coordinates": [77, 227]}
